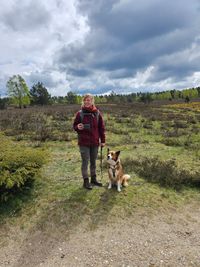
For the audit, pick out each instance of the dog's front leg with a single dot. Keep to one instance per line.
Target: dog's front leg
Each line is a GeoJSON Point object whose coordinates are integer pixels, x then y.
{"type": "Point", "coordinates": [118, 186]}
{"type": "Point", "coordinates": [110, 185]}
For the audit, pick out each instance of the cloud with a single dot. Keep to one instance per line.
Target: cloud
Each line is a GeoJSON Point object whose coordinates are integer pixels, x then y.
{"type": "Point", "coordinates": [32, 32]}
{"type": "Point", "coordinates": [30, 16]}
{"type": "Point", "coordinates": [178, 65]}
{"type": "Point", "coordinates": [127, 38]}
{"type": "Point", "coordinates": [104, 45]}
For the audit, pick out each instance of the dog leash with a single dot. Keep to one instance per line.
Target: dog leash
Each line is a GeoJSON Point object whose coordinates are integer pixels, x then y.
{"type": "Point", "coordinates": [101, 162]}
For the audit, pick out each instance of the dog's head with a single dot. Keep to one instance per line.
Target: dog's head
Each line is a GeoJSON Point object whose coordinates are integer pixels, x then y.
{"type": "Point", "coordinates": [112, 156]}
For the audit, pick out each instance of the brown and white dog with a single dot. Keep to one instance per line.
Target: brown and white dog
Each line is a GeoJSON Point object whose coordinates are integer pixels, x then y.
{"type": "Point", "coordinates": [115, 170]}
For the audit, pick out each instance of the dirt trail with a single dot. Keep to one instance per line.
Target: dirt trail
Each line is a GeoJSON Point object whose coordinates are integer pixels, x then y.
{"type": "Point", "coordinates": [165, 239]}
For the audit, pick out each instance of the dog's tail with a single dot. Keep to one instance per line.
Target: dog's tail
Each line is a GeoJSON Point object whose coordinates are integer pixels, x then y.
{"type": "Point", "coordinates": [126, 177]}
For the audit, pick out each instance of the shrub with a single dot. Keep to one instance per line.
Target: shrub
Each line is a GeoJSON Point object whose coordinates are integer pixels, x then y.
{"type": "Point", "coordinates": [17, 166]}
{"type": "Point", "coordinates": [172, 141]}
{"type": "Point", "coordinates": [192, 120]}
{"type": "Point", "coordinates": [166, 173]}
{"type": "Point", "coordinates": [148, 125]}
{"type": "Point", "coordinates": [37, 123]}
{"type": "Point", "coordinates": [180, 124]}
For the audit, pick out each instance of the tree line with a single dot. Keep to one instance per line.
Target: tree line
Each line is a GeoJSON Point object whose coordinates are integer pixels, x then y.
{"type": "Point", "coordinates": [20, 95]}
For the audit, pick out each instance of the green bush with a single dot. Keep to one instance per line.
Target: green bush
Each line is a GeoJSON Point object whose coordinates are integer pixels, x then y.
{"type": "Point", "coordinates": [164, 172]}
{"type": "Point", "coordinates": [172, 141]}
{"type": "Point", "coordinates": [18, 165]}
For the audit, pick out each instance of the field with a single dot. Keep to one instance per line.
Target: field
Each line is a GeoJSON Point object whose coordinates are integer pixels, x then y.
{"type": "Point", "coordinates": [160, 149]}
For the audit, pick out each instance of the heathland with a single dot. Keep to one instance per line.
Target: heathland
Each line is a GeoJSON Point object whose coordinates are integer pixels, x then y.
{"type": "Point", "coordinates": [42, 199]}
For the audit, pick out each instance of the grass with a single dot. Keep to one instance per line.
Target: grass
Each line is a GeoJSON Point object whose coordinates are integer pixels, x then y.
{"type": "Point", "coordinates": [58, 199]}
{"type": "Point", "coordinates": [57, 203]}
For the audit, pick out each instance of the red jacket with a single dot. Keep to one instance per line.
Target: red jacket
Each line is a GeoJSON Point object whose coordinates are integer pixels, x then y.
{"type": "Point", "coordinates": [95, 129]}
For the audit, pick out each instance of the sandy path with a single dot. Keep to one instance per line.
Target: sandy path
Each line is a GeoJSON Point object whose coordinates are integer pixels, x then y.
{"type": "Point", "coordinates": [170, 239]}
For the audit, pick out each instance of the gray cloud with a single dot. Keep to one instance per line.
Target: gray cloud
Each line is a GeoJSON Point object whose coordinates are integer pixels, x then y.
{"type": "Point", "coordinates": [126, 45]}
{"type": "Point", "coordinates": [132, 21]}
{"type": "Point", "coordinates": [79, 72]}
{"type": "Point", "coordinates": [126, 37]}
{"type": "Point", "coordinates": [25, 17]}
{"type": "Point", "coordinates": [45, 77]}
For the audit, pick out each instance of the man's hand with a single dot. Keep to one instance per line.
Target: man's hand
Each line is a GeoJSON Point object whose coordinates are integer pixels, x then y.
{"type": "Point", "coordinates": [103, 144]}
{"type": "Point", "coordinates": [80, 126]}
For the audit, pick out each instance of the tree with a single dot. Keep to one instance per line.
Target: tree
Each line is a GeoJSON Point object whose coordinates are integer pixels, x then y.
{"type": "Point", "coordinates": [18, 91]}
{"type": "Point", "coordinates": [39, 94]}
{"type": "Point", "coordinates": [187, 99]}
{"type": "Point", "coordinates": [3, 102]}
{"type": "Point", "coordinates": [172, 92]}
{"type": "Point", "coordinates": [198, 91]}
{"type": "Point", "coordinates": [146, 98]}
{"type": "Point", "coordinates": [72, 98]}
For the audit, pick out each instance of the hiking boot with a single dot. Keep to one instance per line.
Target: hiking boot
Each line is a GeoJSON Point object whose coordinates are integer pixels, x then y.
{"type": "Point", "coordinates": [86, 184]}
{"type": "Point", "coordinates": [95, 182]}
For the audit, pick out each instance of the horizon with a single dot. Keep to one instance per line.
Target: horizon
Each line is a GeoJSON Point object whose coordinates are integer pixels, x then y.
{"type": "Point", "coordinates": [139, 93]}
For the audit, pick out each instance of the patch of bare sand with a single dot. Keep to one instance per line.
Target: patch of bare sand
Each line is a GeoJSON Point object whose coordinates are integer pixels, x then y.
{"type": "Point", "coordinates": [169, 238]}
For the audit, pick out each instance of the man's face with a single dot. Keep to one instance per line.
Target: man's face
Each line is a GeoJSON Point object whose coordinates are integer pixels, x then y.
{"type": "Point", "coordinates": [88, 102]}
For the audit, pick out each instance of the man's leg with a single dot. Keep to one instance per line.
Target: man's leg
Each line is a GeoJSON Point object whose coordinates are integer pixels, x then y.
{"type": "Point", "coordinates": [93, 158]}
{"type": "Point", "coordinates": [85, 156]}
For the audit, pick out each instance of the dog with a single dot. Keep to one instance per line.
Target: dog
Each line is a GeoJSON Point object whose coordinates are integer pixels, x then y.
{"type": "Point", "coordinates": [115, 171]}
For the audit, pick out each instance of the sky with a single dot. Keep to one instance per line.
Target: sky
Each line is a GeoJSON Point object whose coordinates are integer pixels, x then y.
{"type": "Point", "coordinates": [83, 46]}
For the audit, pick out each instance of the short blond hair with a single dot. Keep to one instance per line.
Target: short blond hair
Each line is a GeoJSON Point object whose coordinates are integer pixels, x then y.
{"type": "Point", "coordinates": [86, 96]}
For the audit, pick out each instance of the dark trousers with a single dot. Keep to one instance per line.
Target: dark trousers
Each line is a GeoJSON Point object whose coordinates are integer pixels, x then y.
{"type": "Point", "coordinates": [88, 154]}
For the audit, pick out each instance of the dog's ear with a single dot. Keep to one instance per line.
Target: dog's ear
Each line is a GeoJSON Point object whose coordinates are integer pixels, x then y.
{"type": "Point", "coordinates": [117, 153]}
{"type": "Point", "coordinates": [108, 150]}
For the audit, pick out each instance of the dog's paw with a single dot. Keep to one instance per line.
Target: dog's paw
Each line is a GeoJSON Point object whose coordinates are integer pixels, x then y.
{"type": "Point", "coordinates": [118, 187]}
{"type": "Point", "coordinates": [110, 186]}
